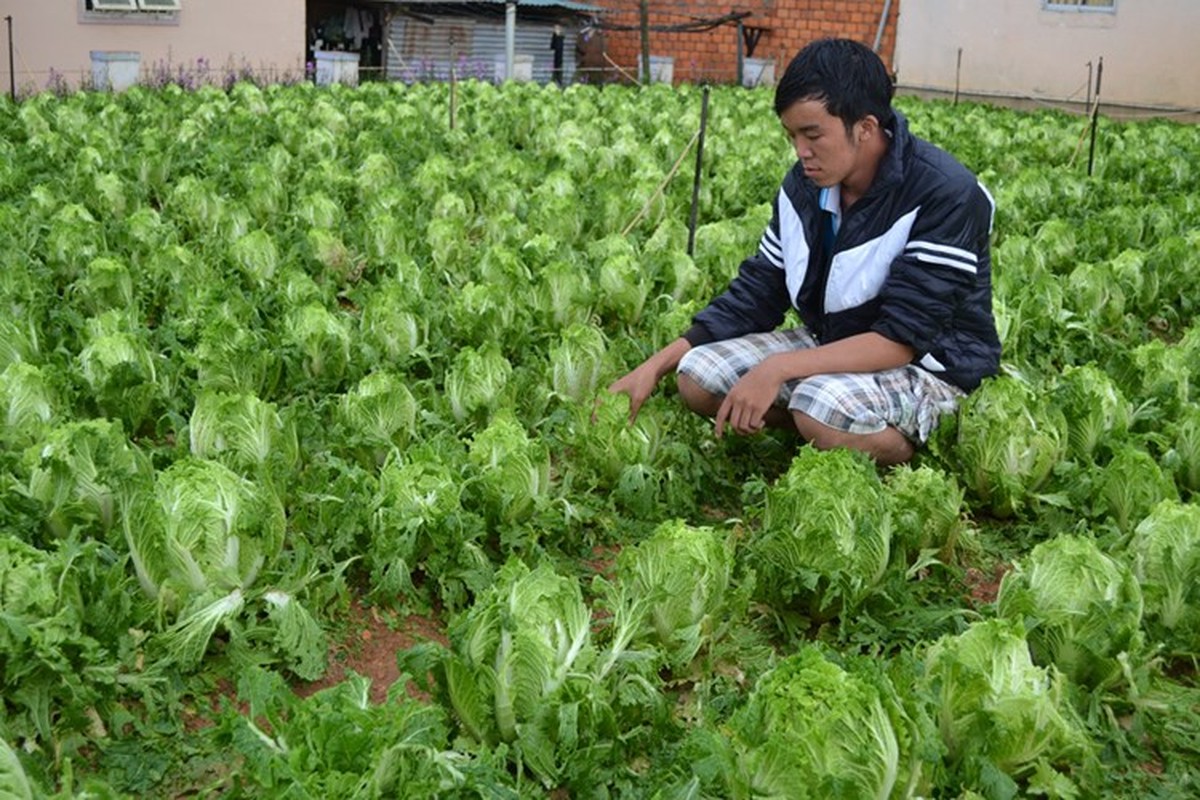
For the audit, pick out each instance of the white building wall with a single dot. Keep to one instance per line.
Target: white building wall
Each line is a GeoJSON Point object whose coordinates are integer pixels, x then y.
{"type": "Point", "coordinates": [1020, 48]}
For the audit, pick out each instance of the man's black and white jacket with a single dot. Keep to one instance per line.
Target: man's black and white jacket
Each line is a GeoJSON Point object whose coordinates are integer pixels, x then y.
{"type": "Point", "coordinates": [909, 260]}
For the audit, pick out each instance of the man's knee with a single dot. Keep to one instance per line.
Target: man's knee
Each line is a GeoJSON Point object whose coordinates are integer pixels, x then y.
{"type": "Point", "coordinates": [696, 398]}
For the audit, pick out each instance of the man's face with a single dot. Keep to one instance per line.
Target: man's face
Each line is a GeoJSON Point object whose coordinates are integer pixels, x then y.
{"type": "Point", "coordinates": [830, 156]}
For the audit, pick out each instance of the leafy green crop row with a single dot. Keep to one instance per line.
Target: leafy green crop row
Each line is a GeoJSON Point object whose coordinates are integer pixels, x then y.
{"type": "Point", "coordinates": [266, 352]}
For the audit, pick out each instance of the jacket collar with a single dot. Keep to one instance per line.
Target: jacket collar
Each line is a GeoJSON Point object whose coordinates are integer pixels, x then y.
{"type": "Point", "coordinates": [891, 168]}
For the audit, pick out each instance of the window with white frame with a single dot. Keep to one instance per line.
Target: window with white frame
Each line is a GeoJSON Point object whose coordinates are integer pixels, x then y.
{"type": "Point", "coordinates": [132, 11]}
{"type": "Point", "coordinates": [1080, 5]}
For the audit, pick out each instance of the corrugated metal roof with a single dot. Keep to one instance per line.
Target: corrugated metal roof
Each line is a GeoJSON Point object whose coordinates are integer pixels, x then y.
{"type": "Point", "coordinates": [570, 5]}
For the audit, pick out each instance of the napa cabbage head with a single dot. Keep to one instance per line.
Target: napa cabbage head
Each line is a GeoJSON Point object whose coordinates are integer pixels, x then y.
{"type": "Point", "coordinates": [420, 524]}
{"type": "Point", "coordinates": [105, 285]}
{"type": "Point", "coordinates": [321, 340]}
{"type": "Point", "coordinates": [1000, 715]}
{"type": "Point", "coordinates": [391, 326]}
{"type": "Point", "coordinates": [202, 530]}
{"type": "Point", "coordinates": [243, 432]}
{"type": "Point", "coordinates": [611, 443]}
{"type": "Point", "coordinates": [199, 539]}
{"type": "Point", "coordinates": [511, 470]}
{"type": "Point", "coordinates": [232, 356]}
{"type": "Point", "coordinates": [257, 255]}
{"type": "Point", "coordinates": [28, 403]}
{"type": "Point", "coordinates": [812, 729]}
{"type": "Point", "coordinates": [577, 362]}
{"type": "Point", "coordinates": [564, 293]}
{"type": "Point", "coordinates": [379, 411]}
{"type": "Point", "coordinates": [1184, 456]}
{"type": "Point", "coordinates": [118, 364]}
{"type": "Point", "coordinates": [1007, 440]}
{"type": "Point", "coordinates": [516, 657]}
{"type": "Point", "coordinates": [927, 511]}
{"type": "Point", "coordinates": [1127, 487]}
{"type": "Point", "coordinates": [18, 341]}
{"type": "Point", "coordinates": [826, 534]}
{"type": "Point", "coordinates": [1082, 609]}
{"type": "Point", "coordinates": [1165, 550]}
{"type": "Point", "coordinates": [476, 379]}
{"type": "Point", "coordinates": [1097, 413]}
{"type": "Point", "coordinates": [78, 471]}
{"type": "Point", "coordinates": [680, 589]}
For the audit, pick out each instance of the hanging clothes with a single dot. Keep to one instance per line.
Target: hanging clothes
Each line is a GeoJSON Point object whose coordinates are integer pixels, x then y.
{"type": "Point", "coordinates": [357, 26]}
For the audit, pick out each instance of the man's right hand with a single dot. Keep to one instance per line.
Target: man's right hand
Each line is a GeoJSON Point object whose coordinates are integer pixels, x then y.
{"type": "Point", "coordinates": [640, 382]}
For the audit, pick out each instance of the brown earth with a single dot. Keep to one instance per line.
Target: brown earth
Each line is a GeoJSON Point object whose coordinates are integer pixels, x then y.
{"type": "Point", "coordinates": [372, 637]}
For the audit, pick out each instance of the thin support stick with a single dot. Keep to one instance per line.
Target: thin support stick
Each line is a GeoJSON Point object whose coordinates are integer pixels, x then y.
{"type": "Point", "coordinates": [621, 69]}
{"type": "Point", "coordinates": [691, 245]}
{"type": "Point", "coordinates": [1095, 116]}
{"type": "Point", "coordinates": [662, 186]}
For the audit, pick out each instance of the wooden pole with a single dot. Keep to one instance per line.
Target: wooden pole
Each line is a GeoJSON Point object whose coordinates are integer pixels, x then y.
{"type": "Point", "coordinates": [12, 70]}
{"type": "Point", "coordinates": [644, 22]}
{"type": "Point", "coordinates": [741, 56]}
{"type": "Point", "coordinates": [691, 245]}
{"type": "Point", "coordinates": [957, 75]}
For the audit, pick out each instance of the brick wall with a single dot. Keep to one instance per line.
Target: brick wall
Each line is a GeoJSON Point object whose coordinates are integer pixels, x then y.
{"type": "Point", "coordinates": [712, 55]}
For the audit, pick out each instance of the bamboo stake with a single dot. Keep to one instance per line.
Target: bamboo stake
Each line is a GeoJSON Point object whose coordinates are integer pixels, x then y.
{"type": "Point", "coordinates": [662, 186]}
{"type": "Point", "coordinates": [621, 69]}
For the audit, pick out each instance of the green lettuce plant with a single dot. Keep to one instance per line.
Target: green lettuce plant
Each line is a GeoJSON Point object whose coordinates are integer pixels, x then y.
{"type": "Point", "coordinates": [1165, 550]}
{"type": "Point", "coordinates": [517, 672]}
{"type": "Point", "coordinates": [826, 534]}
{"type": "Point", "coordinates": [815, 728]}
{"type": "Point", "coordinates": [1004, 443]}
{"type": "Point", "coordinates": [1081, 608]}
{"type": "Point", "coordinates": [679, 586]}
{"type": "Point", "coordinates": [199, 540]}
{"type": "Point", "coordinates": [1000, 715]}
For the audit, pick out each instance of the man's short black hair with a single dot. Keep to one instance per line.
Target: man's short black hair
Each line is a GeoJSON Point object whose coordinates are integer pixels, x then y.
{"type": "Point", "coordinates": [845, 75]}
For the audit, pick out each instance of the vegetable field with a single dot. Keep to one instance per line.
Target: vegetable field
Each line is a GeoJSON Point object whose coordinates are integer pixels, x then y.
{"type": "Point", "coordinates": [287, 369]}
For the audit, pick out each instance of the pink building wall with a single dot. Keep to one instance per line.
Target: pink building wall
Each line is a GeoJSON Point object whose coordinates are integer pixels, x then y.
{"type": "Point", "coordinates": [53, 40]}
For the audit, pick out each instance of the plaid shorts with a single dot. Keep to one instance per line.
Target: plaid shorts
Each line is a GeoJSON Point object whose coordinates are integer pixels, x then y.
{"type": "Point", "coordinates": [908, 398]}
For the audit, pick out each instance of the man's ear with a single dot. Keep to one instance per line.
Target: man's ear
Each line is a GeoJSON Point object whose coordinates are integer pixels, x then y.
{"type": "Point", "coordinates": [867, 127]}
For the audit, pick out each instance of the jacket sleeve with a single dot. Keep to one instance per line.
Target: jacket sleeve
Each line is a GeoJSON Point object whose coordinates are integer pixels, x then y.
{"type": "Point", "coordinates": [942, 267]}
{"type": "Point", "coordinates": [756, 299]}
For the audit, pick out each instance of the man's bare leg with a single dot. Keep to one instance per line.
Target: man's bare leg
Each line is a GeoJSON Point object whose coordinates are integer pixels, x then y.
{"type": "Point", "coordinates": [887, 447]}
